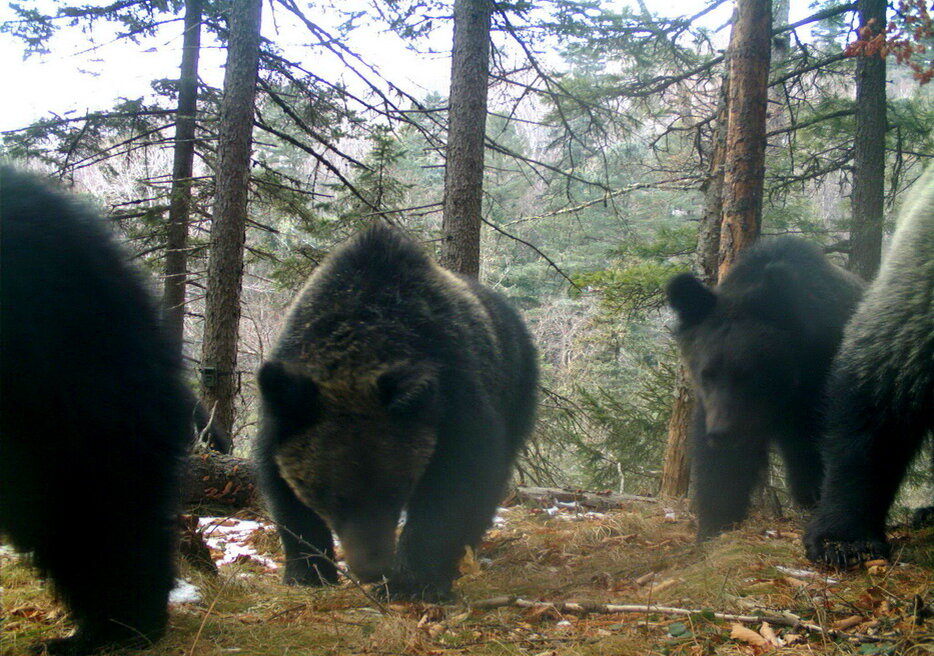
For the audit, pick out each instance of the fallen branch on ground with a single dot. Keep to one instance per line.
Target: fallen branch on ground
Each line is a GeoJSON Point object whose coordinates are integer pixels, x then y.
{"type": "Point", "coordinates": [588, 500]}
{"type": "Point", "coordinates": [580, 607]}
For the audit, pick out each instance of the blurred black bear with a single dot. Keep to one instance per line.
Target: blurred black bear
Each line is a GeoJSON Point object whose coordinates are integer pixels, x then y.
{"type": "Point", "coordinates": [881, 395]}
{"type": "Point", "coordinates": [395, 384]}
{"type": "Point", "coordinates": [94, 419]}
{"type": "Point", "coordinates": [758, 348]}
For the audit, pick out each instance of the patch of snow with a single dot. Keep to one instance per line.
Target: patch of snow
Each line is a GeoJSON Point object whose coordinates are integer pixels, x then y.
{"type": "Point", "coordinates": [184, 592]}
{"type": "Point", "coordinates": [229, 536]}
{"type": "Point", "coordinates": [804, 574]}
{"type": "Point", "coordinates": [573, 517]}
{"type": "Point", "coordinates": [498, 517]}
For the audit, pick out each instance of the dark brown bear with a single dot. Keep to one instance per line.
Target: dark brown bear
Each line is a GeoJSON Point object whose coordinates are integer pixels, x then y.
{"type": "Point", "coordinates": [395, 385]}
{"type": "Point", "coordinates": [759, 347]}
{"type": "Point", "coordinates": [94, 418]}
{"type": "Point", "coordinates": [880, 395]}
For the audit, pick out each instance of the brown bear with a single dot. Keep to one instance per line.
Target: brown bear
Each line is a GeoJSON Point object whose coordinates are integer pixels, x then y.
{"type": "Point", "coordinates": [759, 347]}
{"type": "Point", "coordinates": [395, 385]}
{"type": "Point", "coordinates": [94, 418]}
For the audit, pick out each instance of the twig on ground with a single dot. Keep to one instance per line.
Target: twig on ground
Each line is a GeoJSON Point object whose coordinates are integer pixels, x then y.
{"type": "Point", "coordinates": [789, 620]}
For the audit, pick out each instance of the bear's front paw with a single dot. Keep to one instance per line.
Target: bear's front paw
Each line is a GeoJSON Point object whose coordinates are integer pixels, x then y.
{"type": "Point", "coordinates": [90, 641]}
{"type": "Point", "coordinates": [407, 588]}
{"type": "Point", "coordinates": [314, 575]}
{"type": "Point", "coordinates": [834, 550]}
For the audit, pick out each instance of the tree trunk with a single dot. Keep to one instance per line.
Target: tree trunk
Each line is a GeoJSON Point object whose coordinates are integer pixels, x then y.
{"type": "Point", "coordinates": [744, 164]}
{"type": "Point", "coordinates": [707, 258]}
{"type": "Point", "coordinates": [781, 44]}
{"type": "Point", "coordinates": [676, 468]}
{"type": "Point", "coordinates": [463, 176]}
{"type": "Point", "coordinates": [868, 149]}
{"type": "Point", "coordinates": [176, 258]}
{"type": "Point", "coordinates": [228, 231]}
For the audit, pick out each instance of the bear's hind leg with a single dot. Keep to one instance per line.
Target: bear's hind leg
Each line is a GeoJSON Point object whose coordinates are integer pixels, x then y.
{"type": "Point", "coordinates": [804, 469]}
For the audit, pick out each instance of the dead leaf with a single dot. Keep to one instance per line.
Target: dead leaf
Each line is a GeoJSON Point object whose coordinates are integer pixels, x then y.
{"type": "Point", "coordinates": [750, 637]}
{"type": "Point", "coordinates": [768, 633]}
{"type": "Point", "coordinates": [458, 619]}
{"type": "Point", "coordinates": [645, 578]}
{"type": "Point", "coordinates": [847, 623]}
{"type": "Point", "coordinates": [664, 585]}
{"type": "Point", "coordinates": [468, 564]}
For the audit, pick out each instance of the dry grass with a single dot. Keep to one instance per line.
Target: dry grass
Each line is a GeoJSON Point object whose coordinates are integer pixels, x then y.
{"type": "Point", "coordinates": [635, 555]}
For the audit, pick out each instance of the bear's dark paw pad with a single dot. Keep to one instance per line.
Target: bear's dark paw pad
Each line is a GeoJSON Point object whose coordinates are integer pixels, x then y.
{"type": "Point", "coordinates": [433, 592]}
{"type": "Point", "coordinates": [843, 555]}
{"type": "Point", "coordinates": [923, 517]}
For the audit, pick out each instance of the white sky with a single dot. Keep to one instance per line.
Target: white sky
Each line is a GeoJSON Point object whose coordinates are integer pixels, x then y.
{"type": "Point", "coordinates": [73, 80]}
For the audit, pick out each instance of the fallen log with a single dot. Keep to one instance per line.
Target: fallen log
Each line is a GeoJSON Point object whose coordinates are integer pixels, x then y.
{"type": "Point", "coordinates": [219, 481]}
{"type": "Point", "coordinates": [550, 496]}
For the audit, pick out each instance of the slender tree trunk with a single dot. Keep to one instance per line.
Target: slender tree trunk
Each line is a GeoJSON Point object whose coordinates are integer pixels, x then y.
{"type": "Point", "coordinates": [744, 164]}
{"type": "Point", "coordinates": [228, 231]}
{"type": "Point", "coordinates": [868, 150]}
{"type": "Point", "coordinates": [176, 259]}
{"type": "Point", "coordinates": [781, 44]}
{"type": "Point", "coordinates": [676, 467]}
{"type": "Point", "coordinates": [463, 176]}
{"type": "Point", "coordinates": [707, 259]}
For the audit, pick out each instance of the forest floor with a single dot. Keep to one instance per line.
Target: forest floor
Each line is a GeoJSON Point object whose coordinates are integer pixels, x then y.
{"type": "Point", "coordinates": [514, 596]}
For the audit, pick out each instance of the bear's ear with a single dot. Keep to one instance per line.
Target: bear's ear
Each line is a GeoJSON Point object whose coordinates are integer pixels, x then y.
{"type": "Point", "coordinates": [691, 299]}
{"type": "Point", "coordinates": [291, 395]}
{"type": "Point", "coordinates": [408, 391]}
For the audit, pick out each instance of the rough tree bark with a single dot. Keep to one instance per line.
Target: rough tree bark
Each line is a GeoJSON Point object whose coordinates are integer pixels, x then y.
{"type": "Point", "coordinates": [744, 163]}
{"type": "Point", "coordinates": [676, 467]}
{"type": "Point", "coordinates": [228, 231]}
{"type": "Point", "coordinates": [463, 175]}
{"type": "Point", "coordinates": [866, 200]}
{"type": "Point", "coordinates": [219, 480]}
{"type": "Point", "coordinates": [176, 257]}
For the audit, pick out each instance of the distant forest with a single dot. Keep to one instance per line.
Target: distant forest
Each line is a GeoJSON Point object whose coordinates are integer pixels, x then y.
{"type": "Point", "coordinates": [585, 145]}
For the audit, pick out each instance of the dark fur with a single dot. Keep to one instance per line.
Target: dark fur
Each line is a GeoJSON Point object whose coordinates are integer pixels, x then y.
{"type": "Point", "coordinates": [93, 418]}
{"type": "Point", "coordinates": [395, 384]}
{"type": "Point", "coordinates": [759, 347]}
{"type": "Point", "coordinates": [880, 394]}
